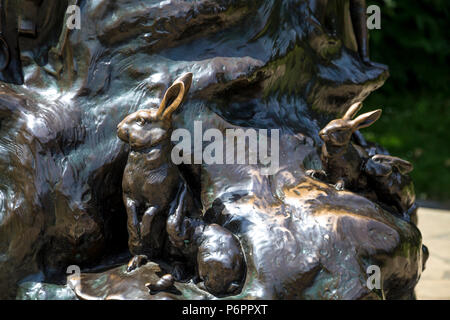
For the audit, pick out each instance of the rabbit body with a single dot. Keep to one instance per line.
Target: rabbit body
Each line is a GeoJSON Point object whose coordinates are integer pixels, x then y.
{"type": "Point", "coordinates": [217, 252]}
{"type": "Point", "coordinates": [341, 160]}
{"type": "Point", "coordinates": [343, 167]}
{"type": "Point", "coordinates": [150, 179]}
{"type": "Point", "coordinates": [149, 184]}
{"type": "Point", "coordinates": [388, 176]}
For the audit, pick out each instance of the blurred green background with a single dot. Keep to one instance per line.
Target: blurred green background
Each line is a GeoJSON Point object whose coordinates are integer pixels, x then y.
{"type": "Point", "coordinates": [414, 42]}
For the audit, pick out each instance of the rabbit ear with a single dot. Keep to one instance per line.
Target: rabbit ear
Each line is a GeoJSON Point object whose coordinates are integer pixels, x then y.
{"type": "Point", "coordinates": [352, 111]}
{"type": "Point", "coordinates": [177, 94]}
{"type": "Point", "coordinates": [403, 166]}
{"type": "Point", "coordinates": [366, 119]}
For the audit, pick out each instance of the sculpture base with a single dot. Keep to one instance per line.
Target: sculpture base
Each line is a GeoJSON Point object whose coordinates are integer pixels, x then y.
{"type": "Point", "coordinates": [118, 284]}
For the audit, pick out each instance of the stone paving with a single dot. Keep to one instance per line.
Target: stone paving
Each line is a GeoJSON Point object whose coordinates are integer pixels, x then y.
{"type": "Point", "coordinates": [435, 281]}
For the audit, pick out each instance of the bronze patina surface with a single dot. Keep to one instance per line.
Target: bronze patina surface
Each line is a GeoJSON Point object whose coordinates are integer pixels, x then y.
{"type": "Point", "coordinates": [291, 65]}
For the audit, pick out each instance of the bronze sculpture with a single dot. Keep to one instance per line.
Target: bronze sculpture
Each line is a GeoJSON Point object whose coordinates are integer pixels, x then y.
{"type": "Point", "coordinates": [257, 64]}
{"type": "Point", "coordinates": [348, 165]}
{"type": "Point", "coordinates": [150, 184]}
{"type": "Point", "coordinates": [150, 179]}
{"type": "Point", "coordinates": [388, 176]}
{"type": "Point", "coordinates": [341, 159]}
{"type": "Point", "coordinates": [219, 261]}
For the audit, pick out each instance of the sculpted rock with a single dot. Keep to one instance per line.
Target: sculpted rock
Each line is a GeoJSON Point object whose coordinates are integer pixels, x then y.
{"type": "Point", "coordinates": [301, 238]}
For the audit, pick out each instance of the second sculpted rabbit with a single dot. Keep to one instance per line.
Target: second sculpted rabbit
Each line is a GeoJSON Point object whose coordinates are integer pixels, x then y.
{"type": "Point", "coordinates": [388, 176]}
{"type": "Point", "coordinates": [151, 180]}
{"type": "Point", "coordinates": [341, 160]}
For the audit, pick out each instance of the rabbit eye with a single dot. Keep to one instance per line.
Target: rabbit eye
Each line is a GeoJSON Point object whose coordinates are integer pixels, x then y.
{"type": "Point", "coordinates": [336, 134]}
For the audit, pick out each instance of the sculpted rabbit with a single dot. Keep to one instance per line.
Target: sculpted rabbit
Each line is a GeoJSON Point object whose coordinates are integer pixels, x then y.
{"type": "Point", "coordinates": [342, 160]}
{"type": "Point", "coordinates": [219, 257]}
{"type": "Point", "coordinates": [151, 180]}
{"type": "Point", "coordinates": [388, 176]}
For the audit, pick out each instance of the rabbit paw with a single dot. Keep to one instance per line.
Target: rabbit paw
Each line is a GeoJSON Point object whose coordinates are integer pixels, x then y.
{"type": "Point", "coordinates": [340, 185]}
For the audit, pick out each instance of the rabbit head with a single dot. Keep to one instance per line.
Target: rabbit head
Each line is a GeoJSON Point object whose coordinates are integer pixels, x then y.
{"type": "Point", "coordinates": [148, 127]}
{"type": "Point", "coordinates": [339, 131]}
{"type": "Point", "coordinates": [384, 165]}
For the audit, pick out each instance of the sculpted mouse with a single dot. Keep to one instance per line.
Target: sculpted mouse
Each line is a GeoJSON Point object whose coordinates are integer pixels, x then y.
{"type": "Point", "coordinates": [342, 160]}
{"type": "Point", "coordinates": [151, 180]}
{"type": "Point", "coordinates": [388, 176]}
{"type": "Point", "coordinates": [165, 283]}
